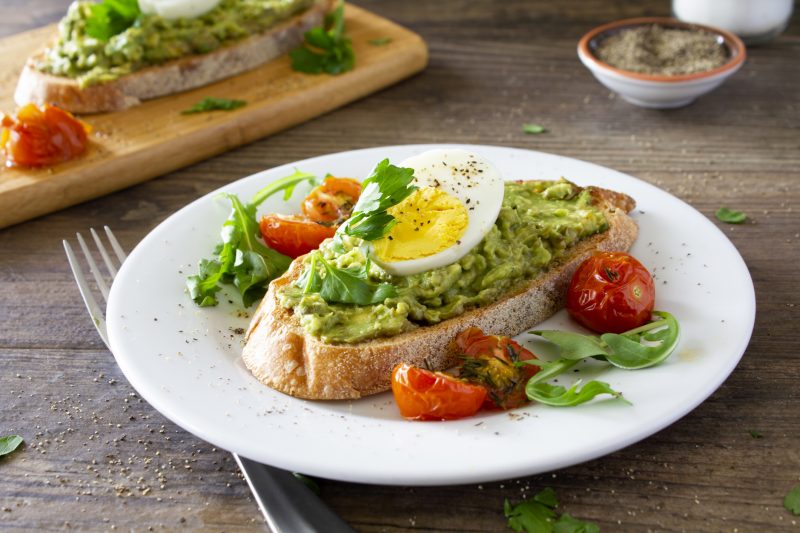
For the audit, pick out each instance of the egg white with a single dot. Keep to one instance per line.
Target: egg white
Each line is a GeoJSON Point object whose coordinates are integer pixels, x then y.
{"type": "Point", "coordinates": [174, 9]}
{"type": "Point", "coordinates": [475, 182]}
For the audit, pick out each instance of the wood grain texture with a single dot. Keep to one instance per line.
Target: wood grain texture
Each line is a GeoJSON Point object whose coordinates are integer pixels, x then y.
{"type": "Point", "coordinates": [154, 138]}
{"type": "Point", "coordinates": [493, 66]}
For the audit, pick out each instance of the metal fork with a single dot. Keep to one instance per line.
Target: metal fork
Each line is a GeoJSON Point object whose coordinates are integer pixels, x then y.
{"type": "Point", "coordinates": [287, 504]}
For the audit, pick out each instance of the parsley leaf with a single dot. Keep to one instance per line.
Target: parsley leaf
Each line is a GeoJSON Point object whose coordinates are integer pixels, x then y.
{"type": "Point", "coordinates": [214, 104]}
{"type": "Point", "coordinates": [730, 216]}
{"type": "Point", "coordinates": [9, 443]}
{"type": "Point", "coordinates": [537, 515]}
{"type": "Point", "coordinates": [792, 501]}
{"type": "Point", "coordinates": [344, 285]}
{"type": "Point", "coordinates": [326, 49]}
{"type": "Point", "coordinates": [111, 17]}
{"type": "Point", "coordinates": [242, 259]}
{"type": "Point", "coordinates": [381, 41]}
{"type": "Point", "coordinates": [388, 185]}
{"type": "Point", "coordinates": [533, 129]}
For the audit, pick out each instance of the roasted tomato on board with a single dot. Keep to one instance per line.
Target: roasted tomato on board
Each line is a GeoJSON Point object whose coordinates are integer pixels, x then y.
{"type": "Point", "coordinates": [424, 395]}
{"type": "Point", "coordinates": [293, 235]}
{"type": "Point", "coordinates": [611, 292]}
{"type": "Point", "coordinates": [333, 201]}
{"type": "Point", "coordinates": [42, 137]}
{"type": "Point", "coordinates": [490, 361]}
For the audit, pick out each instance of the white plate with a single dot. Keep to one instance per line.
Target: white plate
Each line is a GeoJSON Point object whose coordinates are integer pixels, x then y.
{"type": "Point", "coordinates": [185, 361]}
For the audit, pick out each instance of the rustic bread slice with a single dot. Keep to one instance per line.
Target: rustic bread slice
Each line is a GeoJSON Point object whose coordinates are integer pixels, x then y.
{"type": "Point", "coordinates": [171, 77]}
{"type": "Point", "coordinates": [281, 355]}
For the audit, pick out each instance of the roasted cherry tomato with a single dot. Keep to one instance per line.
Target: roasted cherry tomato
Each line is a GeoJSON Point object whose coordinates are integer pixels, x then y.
{"type": "Point", "coordinates": [489, 360]}
{"type": "Point", "coordinates": [611, 292]}
{"type": "Point", "coordinates": [333, 201]}
{"type": "Point", "coordinates": [42, 137]}
{"type": "Point", "coordinates": [293, 235]}
{"type": "Point", "coordinates": [424, 395]}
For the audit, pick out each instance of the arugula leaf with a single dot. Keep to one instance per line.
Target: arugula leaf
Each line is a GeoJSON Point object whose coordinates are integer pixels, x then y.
{"type": "Point", "coordinates": [242, 259]}
{"type": "Point", "coordinates": [387, 186]}
{"type": "Point", "coordinates": [569, 524]}
{"type": "Point", "coordinates": [344, 285]}
{"type": "Point", "coordinates": [730, 216]}
{"type": "Point", "coordinates": [558, 396]}
{"type": "Point", "coordinates": [380, 41]}
{"type": "Point", "coordinates": [574, 346]}
{"type": "Point", "coordinates": [210, 103]}
{"type": "Point", "coordinates": [533, 129]}
{"type": "Point", "coordinates": [111, 17]}
{"type": "Point", "coordinates": [627, 351]}
{"type": "Point", "coordinates": [9, 443]}
{"type": "Point", "coordinates": [792, 500]}
{"type": "Point", "coordinates": [326, 49]}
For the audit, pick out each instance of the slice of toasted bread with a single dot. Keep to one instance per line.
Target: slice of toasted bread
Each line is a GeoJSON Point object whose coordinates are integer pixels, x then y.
{"type": "Point", "coordinates": [281, 355]}
{"type": "Point", "coordinates": [171, 77]}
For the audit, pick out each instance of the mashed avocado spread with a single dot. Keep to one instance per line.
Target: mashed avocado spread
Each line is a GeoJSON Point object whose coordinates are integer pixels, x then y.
{"type": "Point", "coordinates": [538, 221]}
{"type": "Point", "coordinates": [152, 40]}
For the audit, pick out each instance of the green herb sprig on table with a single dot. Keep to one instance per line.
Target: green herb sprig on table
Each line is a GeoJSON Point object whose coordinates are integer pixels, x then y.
{"type": "Point", "coordinates": [537, 515]}
{"type": "Point", "coordinates": [242, 259]}
{"type": "Point", "coordinates": [111, 17]}
{"type": "Point", "coordinates": [387, 186]}
{"type": "Point", "coordinates": [533, 129]}
{"type": "Point", "coordinates": [380, 41]}
{"type": "Point", "coordinates": [326, 48]}
{"type": "Point", "coordinates": [642, 347]}
{"type": "Point", "coordinates": [9, 443]}
{"type": "Point", "coordinates": [214, 104]}
{"type": "Point", "coordinates": [792, 500]}
{"type": "Point", "coordinates": [344, 285]}
{"type": "Point", "coordinates": [730, 216]}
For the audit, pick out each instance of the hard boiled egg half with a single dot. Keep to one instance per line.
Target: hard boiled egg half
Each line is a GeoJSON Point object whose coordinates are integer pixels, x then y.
{"type": "Point", "coordinates": [175, 9]}
{"type": "Point", "coordinates": [456, 204]}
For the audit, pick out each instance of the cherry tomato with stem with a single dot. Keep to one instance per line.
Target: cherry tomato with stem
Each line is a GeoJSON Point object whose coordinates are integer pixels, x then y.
{"type": "Point", "coordinates": [293, 235]}
{"type": "Point", "coordinates": [425, 395]}
{"type": "Point", "coordinates": [611, 292]}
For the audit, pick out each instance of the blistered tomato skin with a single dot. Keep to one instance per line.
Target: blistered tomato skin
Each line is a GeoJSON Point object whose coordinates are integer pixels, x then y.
{"type": "Point", "coordinates": [611, 292]}
{"type": "Point", "coordinates": [333, 201]}
{"type": "Point", "coordinates": [424, 395]}
{"type": "Point", "coordinates": [42, 137]}
{"type": "Point", "coordinates": [293, 235]}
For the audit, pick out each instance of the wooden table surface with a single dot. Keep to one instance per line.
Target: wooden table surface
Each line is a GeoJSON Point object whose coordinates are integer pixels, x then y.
{"type": "Point", "coordinates": [97, 457]}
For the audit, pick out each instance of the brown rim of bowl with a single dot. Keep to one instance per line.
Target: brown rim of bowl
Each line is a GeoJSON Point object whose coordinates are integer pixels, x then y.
{"type": "Point", "coordinates": [735, 45]}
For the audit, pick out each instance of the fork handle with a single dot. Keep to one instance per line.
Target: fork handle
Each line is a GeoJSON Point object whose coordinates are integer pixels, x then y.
{"type": "Point", "coordinates": [287, 504]}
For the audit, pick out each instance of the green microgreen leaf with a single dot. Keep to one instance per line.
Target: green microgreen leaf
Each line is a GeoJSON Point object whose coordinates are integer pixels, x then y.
{"type": "Point", "coordinates": [111, 17]}
{"type": "Point", "coordinates": [9, 443]}
{"type": "Point", "coordinates": [214, 104]}
{"type": "Point", "coordinates": [533, 129]}
{"type": "Point", "coordinates": [558, 396]}
{"type": "Point", "coordinates": [730, 216]}
{"type": "Point", "coordinates": [537, 515]}
{"type": "Point", "coordinates": [381, 41]}
{"type": "Point", "coordinates": [756, 434]}
{"type": "Point", "coordinates": [344, 285]}
{"type": "Point", "coordinates": [792, 500]}
{"type": "Point", "coordinates": [326, 49]}
{"type": "Point", "coordinates": [569, 524]}
{"type": "Point", "coordinates": [387, 186]}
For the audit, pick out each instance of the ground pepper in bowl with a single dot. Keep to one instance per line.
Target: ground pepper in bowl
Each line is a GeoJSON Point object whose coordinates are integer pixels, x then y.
{"type": "Point", "coordinates": [658, 50]}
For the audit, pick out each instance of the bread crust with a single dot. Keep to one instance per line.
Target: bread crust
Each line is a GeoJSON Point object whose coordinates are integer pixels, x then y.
{"type": "Point", "coordinates": [281, 355]}
{"type": "Point", "coordinates": [171, 77]}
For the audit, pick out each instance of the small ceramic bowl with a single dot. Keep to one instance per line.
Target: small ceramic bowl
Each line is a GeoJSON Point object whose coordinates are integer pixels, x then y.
{"type": "Point", "coordinates": [658, 91]}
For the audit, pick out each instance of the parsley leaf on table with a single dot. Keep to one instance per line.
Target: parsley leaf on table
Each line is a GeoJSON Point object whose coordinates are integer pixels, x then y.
{"type": "Point", "coordinates": [792, 501]}
{"type": "Point", "coordinates": [380, 41]}
{"type": "Point", "coordinates": [111, 17]}
{"type": "Point", "coordinates": [537, 515]}
{"type": "Point", "coordinates": [730, 216]}
{"type": "Point", "coordinates": [326, 48]}
{"type": "Point", "coordinates": [214, 104]}
{"type": "Point", "coordinates": [9, 443]}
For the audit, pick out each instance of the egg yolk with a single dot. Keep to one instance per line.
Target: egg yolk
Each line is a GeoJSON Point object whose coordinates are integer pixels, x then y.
{"type": "Point", "coordinates": [428, 222]}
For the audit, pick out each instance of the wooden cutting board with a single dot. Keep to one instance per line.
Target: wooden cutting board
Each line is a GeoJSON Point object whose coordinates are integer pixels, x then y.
{"type": "Point", "coordinates": [151, 139]}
